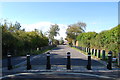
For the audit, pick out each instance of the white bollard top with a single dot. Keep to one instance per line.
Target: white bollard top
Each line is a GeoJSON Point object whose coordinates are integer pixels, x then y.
{"type": "Point", "coordinates": [28, 55]}
{"type": "Point", "coordinates": [9, 55]}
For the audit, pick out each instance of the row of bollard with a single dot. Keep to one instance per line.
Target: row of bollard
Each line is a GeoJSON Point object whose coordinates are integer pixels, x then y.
{"type": "Point", "coordinates": [68, 66]}
{"type": "Point", "coordinates": [96, 52]}
{"type": "Point", "coordinates": [48, 65]}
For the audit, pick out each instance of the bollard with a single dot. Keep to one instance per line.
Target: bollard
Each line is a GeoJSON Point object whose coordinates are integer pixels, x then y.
{"type": "Point", "coordinates": [28, 62]}
{"type": "Point", "coordinates": [95, 52]}
{"type": "Point", "coordinates": [98, 53]}
{"type": "Point", "coordinates": [119, 59]}
{"type": "Point", "coordinates": [103, 54]}
{"type": "Point", "coordinates": [68, 61]}
{"type": "Point", "coordinates": [9, 61]}
{"type": "Point", "coordinates": [89, 61]}
{"type": "Point", "coordinates": [92, 51]}
{"type": "Point", "coordinates": [109, 65]}
{"type": "Point", "coordinates": [48, 66]}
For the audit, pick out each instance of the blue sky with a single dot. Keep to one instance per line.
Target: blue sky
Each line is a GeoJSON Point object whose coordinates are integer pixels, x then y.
{"type": "Point", "coordinates": [97, 15]}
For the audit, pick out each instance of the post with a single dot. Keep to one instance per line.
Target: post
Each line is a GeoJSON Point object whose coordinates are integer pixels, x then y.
{"type": "Point", "coordinates": [28, 62]}
{"type": "Point", "coordinates": [98, 53]}
{"type": "Point", "coordinates": [68, 61]}
{"type": "Point", "coordinates": [103, 54]}
{"type": "Point", "coordinates": [89, 61]}
{"type": "Point", "coordinates": [95, 52]}
{"type": "Point", "coordinates": [9, 61]}
{"type": "Point", "coordinates": [48, 66]}
{"type": "Point", "coordinates": [92, 51]}
{"type": "Point", "coordinates": [109, 65]}
{"type": "Point", "coordinates": [119, 59]}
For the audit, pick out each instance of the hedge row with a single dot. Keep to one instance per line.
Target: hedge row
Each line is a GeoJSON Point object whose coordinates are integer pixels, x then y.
{"type": "Point", "coordinates": [17, 41]}
{"type": "Point", "coordinates": [108, 40]}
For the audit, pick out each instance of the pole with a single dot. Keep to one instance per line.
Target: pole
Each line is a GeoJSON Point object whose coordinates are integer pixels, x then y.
{"type": "Point", "coordinates": [98, 53]}
{"type": "Point", "coordinates": [92, 51]}
{"type": "Point", "coordinates": [103, 54]}
{"type": "Point", "coordinates": [68, 61]}
{"type": "Point", "coordinates": [95, 52]}
{"type": "Point", "coordinates": [28, 62]}
{"type": "Point", "coordinates": [48, 66]}
{"type": "Point", "coordinates": [119, 59]}
{"type": "Point", "coordinates": [109, 65]}
{"type": "Point", "coordinates": [89, 61]}
{"type": "Point", "coordinates": [9, 61]}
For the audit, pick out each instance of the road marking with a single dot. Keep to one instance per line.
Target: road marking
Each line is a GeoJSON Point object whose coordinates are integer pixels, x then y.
{"type": "Point", "coordinates": [84, 74]}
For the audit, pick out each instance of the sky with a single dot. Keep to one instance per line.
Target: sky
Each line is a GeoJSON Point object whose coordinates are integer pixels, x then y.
{"type": "Point", "coordinates": [98, 16]}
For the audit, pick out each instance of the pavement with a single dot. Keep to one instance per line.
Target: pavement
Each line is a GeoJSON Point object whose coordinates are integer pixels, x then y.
{"type": "Point", "coordinates": [58, 59]}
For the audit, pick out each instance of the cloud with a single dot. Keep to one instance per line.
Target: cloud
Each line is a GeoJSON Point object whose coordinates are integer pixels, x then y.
{"type": "Point", "coordinates": [44, 26]}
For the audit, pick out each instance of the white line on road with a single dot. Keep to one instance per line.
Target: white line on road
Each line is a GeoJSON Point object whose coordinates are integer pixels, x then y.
{"type": "Point", "coordinates": [84, 74]}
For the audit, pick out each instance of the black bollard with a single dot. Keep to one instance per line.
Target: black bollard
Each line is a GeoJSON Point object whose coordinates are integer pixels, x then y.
{"type": "Point", "coordinates": [119, 59]}
{"type": "Point", "coordinates": [95, 52]}
{"type": "Point", "coordinates": [48, 66]}
{"type": "Point", "coordinates": [109, 65]}
{"type": "Point", "coordinates": [98, 53]}
{"type": "Point", "coordinates": [92, 51]}
{"type": "Point", "coordinates": [9, 61]}
{"type": "Point", "coordinates": [68, 61]}
{"type": "Point", "coordinates": [28, 62]}
{"type": "Point", "coordinates": [103, 54]}
{"type": "Point", "coordinates": [85, 49]}
{"type": "Point", "coordinates": [89, 61]}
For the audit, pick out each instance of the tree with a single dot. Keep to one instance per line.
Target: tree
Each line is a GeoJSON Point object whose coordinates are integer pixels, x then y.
{"type": "Point", "coordinates": [74, 30]}
{"type": "Point", "coordinates": [19, 42]}
{"type": "Point", "coordinates": [17, 25]}
{"type": "Point", "coordinates": [54, 31]}
{"type": "Point", "coordinates": [61, 40]}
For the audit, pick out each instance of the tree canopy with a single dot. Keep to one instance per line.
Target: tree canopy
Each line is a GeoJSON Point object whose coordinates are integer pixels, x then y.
{"type": "Point", "coordinates": [108, 40]}
{"type": "Point", "coordinates": [74, 30]}
{"type": "Point", "coordinates": [16, 40]}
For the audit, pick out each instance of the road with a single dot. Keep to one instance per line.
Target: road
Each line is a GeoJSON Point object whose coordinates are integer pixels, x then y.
{"type": "Point", "coordinates": [58, 56]}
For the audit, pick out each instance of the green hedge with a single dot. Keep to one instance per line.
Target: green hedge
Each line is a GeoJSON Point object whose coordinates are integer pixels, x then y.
{"type": "Point", "coordinates": [17, 41]}
{"type": "Point", "coordinates": [108, 40]}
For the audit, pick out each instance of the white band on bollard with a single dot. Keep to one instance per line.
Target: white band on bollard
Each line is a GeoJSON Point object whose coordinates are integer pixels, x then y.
{"type": "Point", "coordinates": [28, 55]}
{"type": "Point", "coordinates": [9, 55]}
{"type": "Point", "coordinates": [109, 55]}
{"type": "Point", "coordinates": [48, 54]}
{"type": "Point", "coordinates": [68, 54]}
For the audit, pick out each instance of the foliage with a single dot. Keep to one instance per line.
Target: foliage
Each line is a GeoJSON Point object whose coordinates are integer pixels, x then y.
{"type": "Point", "coordinates": [61, 41]}
{"type": "Point", "coordinates": [85, 38]}
{"type": "Point", "coordinates": [108, 40]}
{"type": "Point", "coordinates": [16, 41]}
{"type": "Point", "coordinates": [53, 32]}
{"type": "Point", "coordinates": [74, 30]}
